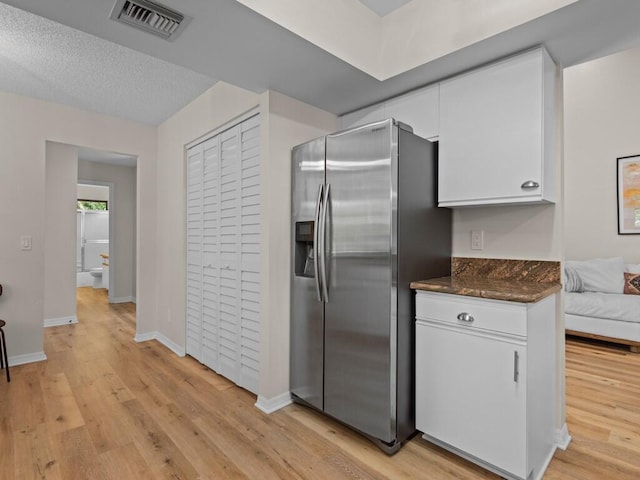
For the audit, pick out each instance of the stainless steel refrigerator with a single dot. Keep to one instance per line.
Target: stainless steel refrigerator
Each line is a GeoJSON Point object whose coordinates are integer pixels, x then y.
{"type": "Point", "coordinates": [364, 224]}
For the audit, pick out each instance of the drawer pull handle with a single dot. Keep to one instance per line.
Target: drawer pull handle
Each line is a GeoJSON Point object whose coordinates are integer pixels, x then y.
{"type": "Point", "coordinates": [465, 317]}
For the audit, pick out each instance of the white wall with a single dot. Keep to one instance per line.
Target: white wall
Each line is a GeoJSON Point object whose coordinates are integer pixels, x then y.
{"type": "Point", "coordinates": [61, 172]}
{"type": "Point", "coordinates": [284, 123]}
{"type": "Point", "coordinates": [520, 232]}
{"type": "Point", "coordinates": [27, 124]}
{"type": "Point", "coordinates": [94, 192]}
{"type": "Point", "coordinates": [287, 124]}
{"type": "Point", "coordinates": [122, 261]}
{"type": "Point", "coordinates": [602, 123]}
{"type": "Point", "coordinates": [214, 108]}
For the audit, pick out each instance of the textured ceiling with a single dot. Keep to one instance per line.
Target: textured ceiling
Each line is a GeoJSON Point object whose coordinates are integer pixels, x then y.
{"type": "Point", "coordinates": [228, 41]}
{"type": "Point", "coordinates": [44, 59]}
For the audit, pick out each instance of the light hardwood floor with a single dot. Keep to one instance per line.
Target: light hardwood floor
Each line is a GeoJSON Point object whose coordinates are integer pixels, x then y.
{"type": "Point", "coordinates": [105, 407]}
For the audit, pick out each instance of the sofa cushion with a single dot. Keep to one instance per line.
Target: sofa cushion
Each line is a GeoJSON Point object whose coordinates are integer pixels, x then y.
{"type": "Point", "coordinates": [632, 283]}
{"type": "Point", "coordinates": [604, 275]}
{"type": "Point", "coordinates": [572, 280]}
{"type": "Point", "coordinates": [625, 308]}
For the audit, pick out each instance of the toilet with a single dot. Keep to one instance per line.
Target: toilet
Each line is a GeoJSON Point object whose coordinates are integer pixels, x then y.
{"type": "Point", "coordinates": [96, 273]}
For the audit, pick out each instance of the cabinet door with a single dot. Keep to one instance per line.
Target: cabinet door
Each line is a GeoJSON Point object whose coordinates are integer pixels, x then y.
{"type": "Point", "coordinates": [466, 395]}
{"type": "Point", "coordinates": [374, 113]}
{"type": "Point", "coordinates": [491, 133]}
{"type": "Point", "coordinates": [417, 109]}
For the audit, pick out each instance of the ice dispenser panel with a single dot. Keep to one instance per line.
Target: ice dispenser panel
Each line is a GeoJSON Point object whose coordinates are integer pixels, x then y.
{"type": "Point", "coordinates": [304, 264]}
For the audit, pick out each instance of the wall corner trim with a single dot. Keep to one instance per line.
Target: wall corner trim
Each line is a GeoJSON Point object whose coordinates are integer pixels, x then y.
{"type": "Point", "coordinates": [170, 344]}
{"type": "Point", "coordinates": [26, 358]}
{"type": "Point", "coordinates": [270, 405]}
{"type": "Point", "coordinates": [563, 438]}
{"type": "Point", "coordinates": [56, 322]}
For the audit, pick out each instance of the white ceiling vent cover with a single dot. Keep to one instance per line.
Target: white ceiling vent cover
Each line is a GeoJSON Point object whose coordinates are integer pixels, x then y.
{"type": "Point", "coordinates": [149, 17]}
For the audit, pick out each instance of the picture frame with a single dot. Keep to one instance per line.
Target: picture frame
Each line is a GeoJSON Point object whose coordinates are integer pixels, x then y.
{"type": "Point", "coordinates": [628, 182]}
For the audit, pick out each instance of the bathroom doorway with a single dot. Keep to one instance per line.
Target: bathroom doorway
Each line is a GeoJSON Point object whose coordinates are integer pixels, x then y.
{"type": "Point", "coordinates": [93, 235]}
{"type": "Point", "coordinates": [109, 229]}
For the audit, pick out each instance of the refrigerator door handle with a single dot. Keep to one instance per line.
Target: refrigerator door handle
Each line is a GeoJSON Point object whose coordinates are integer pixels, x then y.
{"type": "Point", "coordinates": [316, 243]}
{"type": "Point", "coordinates": [323, 244]}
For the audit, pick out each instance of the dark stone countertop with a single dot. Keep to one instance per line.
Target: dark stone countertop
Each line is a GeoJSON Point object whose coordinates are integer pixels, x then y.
{"type": "Point", "coordinates": [494, 289]}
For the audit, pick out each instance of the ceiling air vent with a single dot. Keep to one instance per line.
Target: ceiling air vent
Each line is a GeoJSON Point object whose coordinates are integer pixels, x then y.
{"type": "Point", "coordinates": [149, 17]}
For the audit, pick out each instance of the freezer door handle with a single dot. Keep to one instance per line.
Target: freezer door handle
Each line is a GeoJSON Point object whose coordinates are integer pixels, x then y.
{"type": "Point", "coordinates": [316, 243]}
{"type": "Point", "coordinates": [323, 244]}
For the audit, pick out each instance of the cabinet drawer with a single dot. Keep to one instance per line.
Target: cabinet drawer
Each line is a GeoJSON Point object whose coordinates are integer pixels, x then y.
{"type": "Point", "coordinates": [493, 315]}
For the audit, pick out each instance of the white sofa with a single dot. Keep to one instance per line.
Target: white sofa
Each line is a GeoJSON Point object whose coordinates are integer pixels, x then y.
{"type": "Point", "coordinates": [595, 305]}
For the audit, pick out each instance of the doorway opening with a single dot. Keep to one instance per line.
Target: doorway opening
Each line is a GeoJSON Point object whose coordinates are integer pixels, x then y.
{"type": "Point", "coordinates": [106, 218]}
{"type": "Point", "coordinates": [93, 236]}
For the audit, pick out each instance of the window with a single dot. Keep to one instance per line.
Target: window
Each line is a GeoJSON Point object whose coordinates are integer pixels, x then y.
{"type": "Point", "coordinates": [93, 205]}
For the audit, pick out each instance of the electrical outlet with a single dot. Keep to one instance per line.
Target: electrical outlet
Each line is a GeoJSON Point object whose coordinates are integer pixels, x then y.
{"type": "Point", "coordinates": [477, 239]}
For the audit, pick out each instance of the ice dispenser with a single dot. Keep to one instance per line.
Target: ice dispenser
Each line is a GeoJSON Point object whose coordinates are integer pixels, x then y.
{"type": "Point", "coordinates": [304, 263]}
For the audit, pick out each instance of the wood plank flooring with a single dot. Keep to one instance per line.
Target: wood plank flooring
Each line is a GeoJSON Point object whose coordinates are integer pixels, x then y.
{"type": "Point", "coordinates": [105, 407]}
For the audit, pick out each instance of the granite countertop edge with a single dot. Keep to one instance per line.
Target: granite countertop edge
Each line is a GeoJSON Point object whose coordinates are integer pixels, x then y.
{"type": "Point", "coordinates": [520, 292]}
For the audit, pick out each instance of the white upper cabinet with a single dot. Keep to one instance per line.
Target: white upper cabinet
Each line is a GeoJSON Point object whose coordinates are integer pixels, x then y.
{"type": "Point", "coordinates": [363, 116]}
{"type": "Point", "coordinates": [418, 109]}
{"type": "Point", "coordinates": [497, 129]}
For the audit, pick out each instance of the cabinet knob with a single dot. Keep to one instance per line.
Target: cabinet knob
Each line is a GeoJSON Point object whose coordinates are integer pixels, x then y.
{"type": "Point", "coordinates": [465, 317]}
{"type": "Point", "coordinates": [529, 184]}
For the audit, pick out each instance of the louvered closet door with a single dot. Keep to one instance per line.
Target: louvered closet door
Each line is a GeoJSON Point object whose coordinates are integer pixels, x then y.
{"type": "Point", "coordinates": [249, 253]}
{"type": "Point", "coordinates": [211, 253]}
{"type": "Point", "coordinates": [194, 252]}
{"type": "Point", "coordinates": [230, 253]}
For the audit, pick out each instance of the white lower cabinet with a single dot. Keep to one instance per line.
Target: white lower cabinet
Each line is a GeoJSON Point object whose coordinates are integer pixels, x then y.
{"type": "Point", "coordinates": [485, 380]}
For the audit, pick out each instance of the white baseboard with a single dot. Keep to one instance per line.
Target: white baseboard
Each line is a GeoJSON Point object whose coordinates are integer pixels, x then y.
{"type": "Point", "coordinates": [563, 438]}
{"type": "Point", "coordinates": [26, 358]}
{"type": "Point", "coordinates": [170, 344]}
{"type": "Point", "coordinates": [270, 405]}
{"type": "Point", "coordinates": [56, 322]}
{"type": "Point", "coordinates": [545, 463]}
{"type": "Point", "coordinates": [123, 300]}
{"type": "Point", "coordinates": [145, 337]}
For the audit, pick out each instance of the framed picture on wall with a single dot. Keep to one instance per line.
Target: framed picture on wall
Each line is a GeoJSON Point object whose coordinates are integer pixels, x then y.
{"type": "Point", "coordinates": [629, 195]}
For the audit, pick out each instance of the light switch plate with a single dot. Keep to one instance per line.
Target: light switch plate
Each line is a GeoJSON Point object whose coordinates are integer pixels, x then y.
{"type": "Point", "coordinates": [25, 242]}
